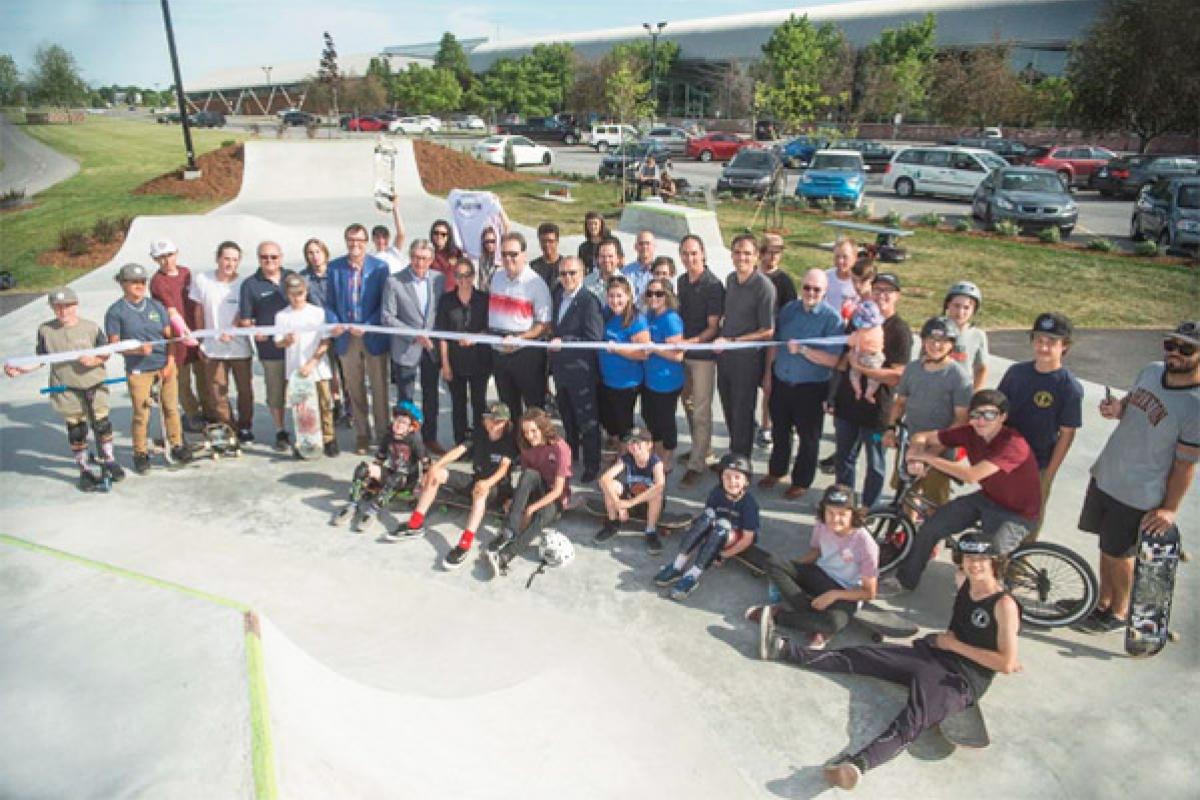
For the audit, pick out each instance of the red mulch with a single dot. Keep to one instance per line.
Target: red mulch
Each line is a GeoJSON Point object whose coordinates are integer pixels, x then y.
{"type": "Point", "coordinates": [220, 177]}
{"type": "Point", "coordinates": [443, 169]}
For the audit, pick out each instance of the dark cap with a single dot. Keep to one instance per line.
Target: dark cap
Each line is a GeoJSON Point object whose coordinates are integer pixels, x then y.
{"type": "Point", "coordinates": [890, 278]}
{"type": "Point", "coordinates": [62, 296]}
{"type": "Point", "coordinates": [132, 272]}
{"type": "Point", "coordinates": [1187, 331]}
{"type": "Point", "coordinates": [636, 435]}
{"type": "Point", "coordinates": [973, 544]}
{"type": "Point", "coordinates": [1052, 324]}
{"type": "Point", "coordinates": [498, 411]}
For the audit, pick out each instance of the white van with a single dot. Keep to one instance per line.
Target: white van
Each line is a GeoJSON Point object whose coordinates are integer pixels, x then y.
{"type": "Point", "coordinates": [953, 171]}
{"type": "Point", "coordinates": [607, 135]}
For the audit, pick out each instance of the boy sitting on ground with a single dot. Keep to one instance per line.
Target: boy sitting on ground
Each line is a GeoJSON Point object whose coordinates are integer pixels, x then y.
{"type": "Point", "coordinates": [637, 478]}
{"type": "Point", "coordinates": [396, 468]}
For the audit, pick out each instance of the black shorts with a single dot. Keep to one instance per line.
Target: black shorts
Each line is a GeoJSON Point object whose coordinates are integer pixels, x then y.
{"type": "Point", "coordinates": [1115, 523]}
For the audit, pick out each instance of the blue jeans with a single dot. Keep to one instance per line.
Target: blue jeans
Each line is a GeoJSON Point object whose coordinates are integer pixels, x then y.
{"type": "Point", "coordinates": [850, 439]}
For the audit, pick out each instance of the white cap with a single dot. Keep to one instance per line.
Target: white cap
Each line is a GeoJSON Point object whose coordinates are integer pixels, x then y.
{"type": "Point", "coordinates": [162, 247]}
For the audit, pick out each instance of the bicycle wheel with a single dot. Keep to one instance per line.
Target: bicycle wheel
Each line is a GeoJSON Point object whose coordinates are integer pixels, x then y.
{"type": "Point", "coordinates": [893, 532]}
{"type": "Point", "coordinates": [1053, 585]}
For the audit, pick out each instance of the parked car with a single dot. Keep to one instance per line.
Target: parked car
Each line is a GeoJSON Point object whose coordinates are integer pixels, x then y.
{"type": "Point", "coordinates": [753, 171]}
{"type": "Point", "coordinates": [1032, 197]}
{"type": "Point", "coordinates": [469, 122]}
{"type": "Point", "coordinates": [1127, 175]}
{"type": "Point", "coordinates": [766, 130]}
{"type": "Point", "coordinates": [839, 175]}
{"type": "Point", "coordinates": [365, 123]}
{"type": "Point", "coordinates": [674, 139]}
{"type": "Point", "coordinates": [607, 134]}
{"type": "Point", "coordinates": [953, 171]}
{"type": "Point", "coordinates": [1006, 148]}
{"type": "Point", "coordinates": [412, 126]}
{"type": "Point", "coordinates": [284, 112]}
{"type": "Point", "coordinates": [630, 156]}
{"type": "Point", "coordinates": [544, 129]}
{"type": "Point", "coordinates": [169, 118]}
{"type": "Point", "coordinates": [297, 118]}
{"type": "Point", "coordinates": [525, 151]}
{"type": "Point", "coordinates": [1074, 163]}
{"type": "Point", "coordinates": [799, 151]}
{"type": "Point", "coordinates": [207, 119]}
{"type": "Point", "coordinates": [719, 146]}
{"type": "Point", "coordinates": [1169, 213]}
{"type": "Point", "coordinates": [875, 155]}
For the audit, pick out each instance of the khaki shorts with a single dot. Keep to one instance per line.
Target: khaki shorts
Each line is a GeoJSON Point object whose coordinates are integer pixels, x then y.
{"type": "Point", "coordinates": [69, 404]}
{"type": "Point", "coordinates": [275, 376]}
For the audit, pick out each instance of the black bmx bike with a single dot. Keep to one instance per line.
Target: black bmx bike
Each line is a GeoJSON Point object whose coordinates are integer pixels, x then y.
{"type": "Point", "coordinates": [1053, 585]}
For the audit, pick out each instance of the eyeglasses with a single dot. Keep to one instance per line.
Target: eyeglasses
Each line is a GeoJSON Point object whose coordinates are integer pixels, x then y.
{"type": "Point", "coordinates": [989, 414]}
{"type": "Point", "coordinates": [511, 253]}
{"type": "Point", "coordinates": [440, 233]}
{"type": "Point", "coordinates": [813, 289]}
{"type": "Point", "coordinates": [656, 293]}
{"type": "Point", "coordinates": [268, 257]}
{"type": "Point", "coordinates": [355, 240]}
{"type": "Point", "coordinates": [464, 276]}
{"type": "Point", "coordinates": [937, 337]}
{"type": "Point", "coordinates": [563, 273]}
{"type": "Point", "coordinates": [1183, 348]}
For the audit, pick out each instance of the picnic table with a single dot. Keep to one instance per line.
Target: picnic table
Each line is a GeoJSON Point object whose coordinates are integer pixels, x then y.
{"type": "Point", "coordinates": [557, 190]}
{"type": "Point", "coordinates": [886, 239]}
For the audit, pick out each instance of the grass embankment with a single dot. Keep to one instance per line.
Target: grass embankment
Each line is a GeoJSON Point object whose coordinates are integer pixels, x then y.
{"type": "Point", "coordinates": [1019, 280]}
{"type": "Point", "coordinates": [115, 156]}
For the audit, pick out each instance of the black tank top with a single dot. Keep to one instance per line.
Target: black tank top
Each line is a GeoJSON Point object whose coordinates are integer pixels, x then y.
{"type": "Point", "coordinates": [974, 623]}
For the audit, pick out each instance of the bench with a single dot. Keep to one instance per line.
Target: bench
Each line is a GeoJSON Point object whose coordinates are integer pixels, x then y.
{"type": "Point", "coordinates": [885, 238]}
{"type": "Point", "coordinates": [556, 190]}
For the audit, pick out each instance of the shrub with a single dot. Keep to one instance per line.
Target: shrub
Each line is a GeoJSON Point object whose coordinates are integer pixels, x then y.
{"type": "Point", "coordinates": [827, 205]}
{"type": "Point", "coordinates": [229, 143]}
{"type": "Point", "coordinates": [73, 241]}
{"type": "Point", "coordinates": [893, 219]}
{"type": "Point", "coordinates": [105, 229]}
{"type": "Point", "coordinates": [1146, 248]}
{"type": "Point", "coordinates": [1007, 229]}
{"type": "Point", "coordinates": [963, 225]}
{"type": "Point", "coordinates": [1050, 235]}
{"type": "Point", "coordinates": [931, 220]}
{"type": "Point", "coordinates": [124, 222]}
{"type": "Point", "coordinates": [864, 211]}
{"type": "Point", "coordinates": [1101, 244]}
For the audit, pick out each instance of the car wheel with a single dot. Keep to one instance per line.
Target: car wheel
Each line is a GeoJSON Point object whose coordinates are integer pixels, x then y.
{"type": "Point", "coordinates": [546, 159]}
{"type": "Point", "coordinates": [1066, 232]}
{"type": "Point", "coordinates": [1135, 229]}
{"type": "Point", "coordinates": [905, 187]}
{"type": "Point", "coordinates": [1164, 240]}
{"type": "Point", "coordinates": [602, 147]}
{"type": "Point", "coordinates": [570, 140]}
{"type": "Point", "coordinates": [706, 156]}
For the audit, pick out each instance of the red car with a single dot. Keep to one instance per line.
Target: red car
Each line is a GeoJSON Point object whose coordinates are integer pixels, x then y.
{"type": "Point", "coordinates": [366, 124]}
{"type": "Point", "coordinates": [719, 146]}
{"type": "Point", "coordinates": [1074, 163]}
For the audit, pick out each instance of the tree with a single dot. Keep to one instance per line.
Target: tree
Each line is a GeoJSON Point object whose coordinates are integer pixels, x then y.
{"type": "Point", "coordinates": [554, 64]}
{"type": "Point", "coordinates": [535, 85]}
{"type": "Point", "coordinates": [977, 87]}
{"type": "Point", "coordinates": [364, 94]}
{"type": "Point", "coordinates": [895, 71]}
{"type": "Point", "coordinates": [451, 56]}
{"type": "Point", "coordinates": [805, 72]}
{"type": "Point", "coordinates": [425, 90]}
{"type": "Point", "coordinates": [329, 78]}
{"type": "Point", "coordinates": [10, 81]}
{"type": "Point", "coordinates": [1138, 69]}
{"type": "Point", "coordinates": [1050, 101]}
{"type": "Point", "coordinates": [55, 79]}
{"type": "Point", "coordinates": [627, 95]}
{"type": "Point", "coordinates": [380, 67]}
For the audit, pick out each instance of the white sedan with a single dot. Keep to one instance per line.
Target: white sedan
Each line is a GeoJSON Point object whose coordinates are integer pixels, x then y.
{"type": "Point", "coordinates": [415, 126]}
{"type": "Point", "coordinates": [525, 152]}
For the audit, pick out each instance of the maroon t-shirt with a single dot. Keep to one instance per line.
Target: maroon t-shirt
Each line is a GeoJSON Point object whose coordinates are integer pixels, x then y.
{"type": "Point", "coordinates": [172, 291]}
{"type": "Point", "coordinates": [1017, 485]}
{"type": "Point", "coordinates": [551, 461]}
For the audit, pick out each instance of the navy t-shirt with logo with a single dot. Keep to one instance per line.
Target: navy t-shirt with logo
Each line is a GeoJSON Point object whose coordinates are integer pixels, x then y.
{"type": "Point", "coordinates": [741, 513]}
{"type": "Point", "coordinates": [143, 321]}
{"type": "Point", "coordinates": [1040, 403]}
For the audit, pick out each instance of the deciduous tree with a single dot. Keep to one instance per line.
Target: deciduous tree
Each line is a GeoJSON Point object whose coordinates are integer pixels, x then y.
{"type": "Point", "coordinates": [806, 72]}
{"type": "Point", "coordinates": [55, 78]}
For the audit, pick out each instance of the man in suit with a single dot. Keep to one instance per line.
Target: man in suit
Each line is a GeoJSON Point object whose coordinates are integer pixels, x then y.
{"type": "Point", "coordinates": [355, 297]}
{"type": "Point", "coordinates": [410, 300]}
{"type": "Point", "coordinates": [576, 316]}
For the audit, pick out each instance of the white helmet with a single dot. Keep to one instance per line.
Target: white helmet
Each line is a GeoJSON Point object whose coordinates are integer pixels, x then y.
{"type": "Point", "coordinates": [556, 549]}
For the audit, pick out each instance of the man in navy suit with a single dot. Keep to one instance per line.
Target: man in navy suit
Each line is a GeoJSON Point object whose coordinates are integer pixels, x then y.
{"type": "Point", "coordinates": [576, 316]}
{"type": "Point", "coordinates": [355, 298]}
{"type": "Point", "coordinates": [410, 300]}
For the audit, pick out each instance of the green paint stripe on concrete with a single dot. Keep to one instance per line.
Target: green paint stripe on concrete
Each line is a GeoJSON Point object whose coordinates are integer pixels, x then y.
{"type": "Point", "coordinates": [262, 744]}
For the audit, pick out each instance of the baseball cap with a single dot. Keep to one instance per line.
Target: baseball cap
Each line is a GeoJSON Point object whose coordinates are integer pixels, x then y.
{"type": "Point", "coordinates": [1187, 331]}
{"type": "Point", "coordinates": [1052, 324]}
{"type": "Point", "coordinates": [62, 296]}
{"type": "Point", "coordinates": [973, 544]}
{"type": "Point", "coordinates": [498, 411]}
{"type": "Point", "coordinates": [838, 496]}
{"type": "Point", "coordinates": [162, 247]}
{"type": "Point", "coordinates": [132, 272]}
{"type": "Point", "coordinates": [890, 278]}
{"type": "Point", "coordinates": [636, 435]}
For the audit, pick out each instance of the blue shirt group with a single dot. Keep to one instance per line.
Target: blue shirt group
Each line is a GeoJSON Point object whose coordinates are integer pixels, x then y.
{"type": "Point", "coordinates": [662, 374]}
{"type": "Point", "coordinates": [619, 372]}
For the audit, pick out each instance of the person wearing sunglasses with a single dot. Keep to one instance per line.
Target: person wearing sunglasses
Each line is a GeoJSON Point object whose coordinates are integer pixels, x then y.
{"type": "Point", "coordinates": [1145, 469]}
{"type": "Point", "coordinates": [577, 316]}
{"type": "Point", "coordinates": [663, 378]}
{"type": "Point", "coordinates": [621, 367]}
{"type": "Point", "coordinates": [445, 251]}
{"type": "Point", "coordinates": [466, 367]}
{"type": "Point", "coordinates": [518, 310]}
{"type": "Point", "coordinates": [262, 296]}
{"type": "Point", "coordinates": [1009, 499]}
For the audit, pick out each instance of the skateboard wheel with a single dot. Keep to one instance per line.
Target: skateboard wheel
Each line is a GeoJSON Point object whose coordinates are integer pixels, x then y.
{"type": "Point", "coordinates": [1184, 555]}
{"type": "Point", "coordinates": [1173, 636]}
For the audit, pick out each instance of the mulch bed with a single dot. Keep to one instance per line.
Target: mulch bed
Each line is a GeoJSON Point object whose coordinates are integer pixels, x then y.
{"type": "Point", "coordinates": [220, 177]}
{"type": "Point", "coordinates": [443, 169]}
{"type": "Point", "coordinates": [97, 253]}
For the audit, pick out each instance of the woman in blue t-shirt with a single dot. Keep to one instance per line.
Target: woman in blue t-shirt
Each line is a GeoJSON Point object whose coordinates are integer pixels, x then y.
{"type": "Point", "coordinates": [621, 367]}
{"type": "Point", "coordinates": [663, 379]}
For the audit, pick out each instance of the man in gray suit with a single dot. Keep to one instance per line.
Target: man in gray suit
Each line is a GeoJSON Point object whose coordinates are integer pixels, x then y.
{"type": "Point", "coordinates": [410, 300]}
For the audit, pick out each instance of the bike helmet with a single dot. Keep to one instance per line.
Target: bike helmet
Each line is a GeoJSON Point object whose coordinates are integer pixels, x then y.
{"type": "Point", "coordinates": [975, 544]}
{"type": "Point", "coordinates": [556, 549]}
{"type": "Point", "coordinates": [735, 461]}
{"type": "Point", "coordinates": [966, 289]}
{"type": "Point", "coordinates": [838, 496]}
{"type": "Point", "coordinates": [943, 327]}
{"type": "Point", "coordinates": [867, 315]}
{"type": "Point", "coordinates": [408, 409]}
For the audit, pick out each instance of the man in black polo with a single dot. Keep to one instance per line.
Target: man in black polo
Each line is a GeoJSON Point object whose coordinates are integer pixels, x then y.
{"type": "Point", "coordinates": [261, 298]}
{"type": "Point", "coordinates": [701, 305]}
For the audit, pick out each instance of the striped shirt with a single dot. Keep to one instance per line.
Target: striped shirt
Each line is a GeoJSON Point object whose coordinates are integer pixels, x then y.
{"type": "Point", "coordinates": [515, 305]}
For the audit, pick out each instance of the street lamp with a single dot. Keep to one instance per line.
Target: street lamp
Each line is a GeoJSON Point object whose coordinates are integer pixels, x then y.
{"type": "Point", "coordinates": [655, 31]}
{"type": "Point", "coordinates": [192, 170]}
{"type": "Point", "coordinates": [270, 90]}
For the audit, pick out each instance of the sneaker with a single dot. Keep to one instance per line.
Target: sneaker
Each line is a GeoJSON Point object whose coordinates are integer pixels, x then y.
{"type": "Point", "coordinates": [362, 445]}
{"type": "Point", "coordinates": [87, 481]}
{"type": "Point", "coordinates": [245, 435]}
{"type": "Point", "coordinates": [684, 587]}
{"type": "Point", "coordinates": [827, 465]}
{"type": "Point", "coordinates": [768, 649]}
{"type": "Point", "coordinates": [456, 557]}
{"type": "Point", "coordinates": [817, 641]}
{"type": "Point", "coordinates": [1106, 622]}
{"type": "Point", "coordinates": [889, 586]}
{"type": "Point", "coordinates": [667, 575]}
{"type": "Point", "coordinates": [689, 479]}
{"type": "Point", "coordinates": [795, 492]}
{"type": "Point", "coordinates": [843, 774]}
{"type": "Point", "coordinates": [181, 453]}
{"type": "Point", "coordinates": [341, 516]}
{"type": "Point", "coordinates": [653, 543]}
{"type": "Point", "coordinates": [141, 463]}
{"type": "Point", "coordinates": [115, 471]}
{"type": "Point", "coordinates": [404, 532]}
{"type": "Point", "coordinates": [764, 438]}
{"type": "Point", "coordinates": [331, 449]}
{"type": "Point", "coordinates": [283, 442]}
{"type": "Point", "coordinates": [607, 531]}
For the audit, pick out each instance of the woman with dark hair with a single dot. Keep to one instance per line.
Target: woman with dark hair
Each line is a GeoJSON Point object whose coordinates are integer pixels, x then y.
{"type": "Point", "coordinates": [822, 589]}
{"type": "Point", "coordinates": [621, 368]}
{"type": "Point", "coordinates": [489, 259]}
{"type": "Point", "coordinates": [663, 379]}
{"type": "Point", "coordinates": [316, 274]}
{"type": "Point", "coordinates": [594, 232]}
{"type": "Point", "coordinates": [445, 251]}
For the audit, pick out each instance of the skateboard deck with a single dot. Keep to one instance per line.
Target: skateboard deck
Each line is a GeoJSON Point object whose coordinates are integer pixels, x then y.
{"type": "Point", "coordinates": [306, 415]}
{"type": "Point", "coordinates": [452, 498]}
{"type": "Point", "coordinates": [966, 728]}
{"type": "Point", "coordinates": [1153, 585]}
{"type": "Point", "coordinates": [163, 444]}
{"type": "Point", "coordinates": [220, 441]}
{"type": "Point", "coordinates": [385, 174]}
{"type": "Point", "coordinates": [668, 521]}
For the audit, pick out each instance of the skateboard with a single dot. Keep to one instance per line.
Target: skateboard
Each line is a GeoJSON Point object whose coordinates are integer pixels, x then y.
{"type": "Point", "coordinates": [966, 728]}
{"type": "Point", "coordinates": [878, 622]}
{"type": "Point", "coordinates": [668, 521]}
{"type": "Point", "coordinates": [449, 498]}
{"type": "Point", "coordinates": [1150, 601]}
{"type": "Point", "coordinates": [385, 174]}
{"type": "Point", "coordinates": [163, 445]}
{"type": "Point", "coordinates": [220, 440]}
{"type": "Point", "coordinates": [306, 415]}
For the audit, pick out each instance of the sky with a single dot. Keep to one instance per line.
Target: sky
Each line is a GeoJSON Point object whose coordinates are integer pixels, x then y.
{"type": "Point", "coordinates": [123, 41]}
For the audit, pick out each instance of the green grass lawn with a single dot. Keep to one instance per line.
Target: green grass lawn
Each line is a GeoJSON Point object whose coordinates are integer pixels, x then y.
{"type": "Point", "coordinates": [1019, 280]}
{"type": "Point", "coordinates": [115, 156]}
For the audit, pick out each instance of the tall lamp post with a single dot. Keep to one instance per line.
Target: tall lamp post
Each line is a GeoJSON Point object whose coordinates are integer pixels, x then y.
{"type": "Point", "coordinates": [270, 89]}
{"type": "Point", "coordinates": [192, 170]}
{"type": "Point", "coordinates": [655, 31]}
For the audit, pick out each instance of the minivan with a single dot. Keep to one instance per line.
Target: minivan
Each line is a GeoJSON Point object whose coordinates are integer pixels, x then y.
{"type": "Point", "coordinates": [952, 171]}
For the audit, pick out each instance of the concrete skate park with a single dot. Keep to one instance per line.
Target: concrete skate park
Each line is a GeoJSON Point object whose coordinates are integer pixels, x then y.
{"type": "Point", "coordinates": [203, 632]}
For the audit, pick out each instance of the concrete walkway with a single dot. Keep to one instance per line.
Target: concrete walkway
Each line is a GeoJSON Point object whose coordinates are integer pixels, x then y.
{"type": "Point", "coordinates": [29, 164]}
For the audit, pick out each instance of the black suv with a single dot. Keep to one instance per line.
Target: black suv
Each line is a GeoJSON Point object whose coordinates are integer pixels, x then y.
{"type": "Point", "coordinates": [298, 118]}
{"type": "Point", "coordinates": [1127, 175]}
{"type": "Point", "coordinates": [543, 129]}
{"type": "Point", "coordinates": [207, 119]}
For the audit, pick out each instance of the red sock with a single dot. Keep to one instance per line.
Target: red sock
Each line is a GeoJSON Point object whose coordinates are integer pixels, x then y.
{"type": "Point", "coordinates": [468, 538]}
{"type": "Point", "coordinates": [416, 519]}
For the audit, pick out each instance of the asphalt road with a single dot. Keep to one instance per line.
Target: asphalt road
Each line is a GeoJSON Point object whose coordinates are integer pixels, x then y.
{"type": "Point", "coordinates": [1108, 356]}
{"type": "Point", "coordinates": [29, 164]}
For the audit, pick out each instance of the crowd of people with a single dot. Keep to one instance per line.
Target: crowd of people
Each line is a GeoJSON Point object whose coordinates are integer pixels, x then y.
{"type": "Point", "coordinates": [780, 358]}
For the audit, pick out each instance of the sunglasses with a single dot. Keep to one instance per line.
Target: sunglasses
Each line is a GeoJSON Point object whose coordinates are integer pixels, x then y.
{"type": "Point", "coordinates": [813, 289]}
{"type": "Point", "coordinates": [1183, 348]}
{"type": "Point", "coordinates": [464, 276]}
{"type": "Point", "coordinates": [510, 253]}
{"type": "Point", "coordinates": [268, 257]}
{"type": "Point", "coordinates": [989, 414]}
{"type": "Point", "coordinates": [656, 293]}
{"type": "Point", "coordinates": [563, 273]}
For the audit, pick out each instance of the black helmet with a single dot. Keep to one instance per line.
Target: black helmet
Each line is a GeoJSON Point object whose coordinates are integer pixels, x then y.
{"type": "Point", "coordinates": [974, 544]}
{"type": "Point", "coordinates": [839, 496]}
{"type": "Point", "coordinates": [735, 461]}
{"type": "Point", "coordinates": [940, 326]}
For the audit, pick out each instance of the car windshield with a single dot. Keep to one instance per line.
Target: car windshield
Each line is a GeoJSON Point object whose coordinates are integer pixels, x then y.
{"type": "Point", "coordinates": [1189, 197]}
{"type": "Point", "coordinates": [1030, 182]}
{"type": "Point", "coordinates": [991, 161]}
{"type": "Point", "coordinates": [831, 161]}
{"type": "Point", "coordinates": [493, 140]}
{"type": "Point", "coordinates": [752, 159]}
{"type": "Point", "coordinates": [635, 150]}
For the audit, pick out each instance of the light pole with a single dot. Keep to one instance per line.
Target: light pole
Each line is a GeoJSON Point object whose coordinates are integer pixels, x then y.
{"type": "Point", "coordinates": [192, 169]}
{"type": "Point", "coordinates": [655, 31]}
{"type": "Point", "coordinates": [270, 89]}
